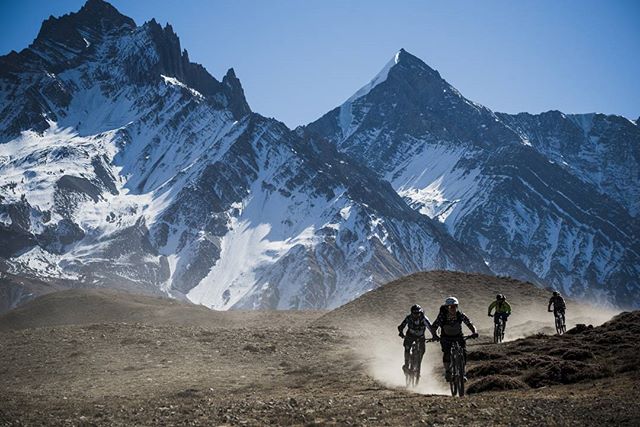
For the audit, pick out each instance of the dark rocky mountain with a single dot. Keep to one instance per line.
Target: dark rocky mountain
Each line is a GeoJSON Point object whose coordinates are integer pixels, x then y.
{"type": "Point", "coordinates": [548, 198]}
{"type": "Point", "coordinates": [601, 150]}
{"type": "Point", "coordinates": [124, 165]}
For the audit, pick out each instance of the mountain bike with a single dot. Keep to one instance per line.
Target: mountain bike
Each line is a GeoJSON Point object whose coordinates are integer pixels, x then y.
{"type": "Point", "coordinates": [561, 328]}
{"type": "Point", "coordinates": [498, 330]}
{"type": "Point", "coordinates": [457, 368]}
{"type": "Point", "coordinates": [412, 371]}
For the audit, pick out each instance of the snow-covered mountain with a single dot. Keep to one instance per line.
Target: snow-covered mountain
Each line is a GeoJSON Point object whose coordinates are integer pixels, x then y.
{"type": "Point", "coordinates": [599, 149]}
{"type": "Point", "coordinates": [123, 164]}
{"type": "Point", "coordinates": [548, 198]}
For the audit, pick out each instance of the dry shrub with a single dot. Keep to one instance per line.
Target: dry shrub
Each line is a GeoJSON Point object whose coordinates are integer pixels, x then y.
{"type": "Point", "coordinates": [571, 353]}
{"type": "Point", "coordinates": [488, 368]}
{"type": "Point", "coordinates": [577, 354]}
{"type": "Point", "coordinates": [496, 383]}
{"type": "Point", "coordinates": [580, 328]}
{"type": "Point", "coordinates": [565, 372]}
{"type": "Point", "coordinates": [532, 361]}
{"type": "Point", "coordinates": [483, 355]}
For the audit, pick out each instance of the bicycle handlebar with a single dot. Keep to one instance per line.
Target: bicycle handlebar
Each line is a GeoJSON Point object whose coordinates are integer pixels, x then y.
{"type": "Point", "coordinates": [467, 337]}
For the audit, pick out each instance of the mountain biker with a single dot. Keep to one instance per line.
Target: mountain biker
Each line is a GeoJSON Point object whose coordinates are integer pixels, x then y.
{"type": "Point", "coordinates": [450, 322]}
{"type": "Point", "coordinates": [417, 323]}
{"type": "Point", "coordinates": [502, 307]}
{"type": "Point", "coordinates": [558, 303]}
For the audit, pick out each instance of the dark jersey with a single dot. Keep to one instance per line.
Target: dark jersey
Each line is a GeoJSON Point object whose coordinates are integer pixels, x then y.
{"type": "Point", "coordinates": [451, 326]}
{"type": "Point", "coordinates": [557, 302]}
{"type": "Point", "coordinates": [417, 326]}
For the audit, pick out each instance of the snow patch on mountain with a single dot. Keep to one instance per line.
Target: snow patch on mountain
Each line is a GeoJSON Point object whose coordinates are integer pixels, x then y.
{"type": "Point", "coordinates": [434, 183]}
{"type": "Point", "coordinates": [346, 114]}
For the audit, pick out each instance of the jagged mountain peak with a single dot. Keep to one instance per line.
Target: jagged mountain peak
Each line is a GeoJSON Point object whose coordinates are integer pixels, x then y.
{"type": "Point", "coordinates": [403, 67]}
{"type": "Point", "coordinates": [413, 99]}
{"type": "Point", "coordinates": [92, 20]}
{"type": "Point", "coordinates": [102, 10]}
{"type": "Point", "coordinates": [408, 61]}
{"type": "Point", "coordinates": [174, 62]}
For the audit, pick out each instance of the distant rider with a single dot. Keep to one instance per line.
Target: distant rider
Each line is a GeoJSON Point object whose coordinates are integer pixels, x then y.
{"type": "Point", "coordinates": [450, 322]}
{"type": "Point", "coordinates": [558, 304]}
{"type": "Point", "coordinates": [417, 323]}
{"type": "Point", "coordinates": [502, 307]}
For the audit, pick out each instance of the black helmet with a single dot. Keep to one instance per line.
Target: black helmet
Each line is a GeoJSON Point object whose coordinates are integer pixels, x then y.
{"type": "Point", "coordinates": [416, 309]}
{"type": "Point", "coordinates": [556, 293]}
{"type": "Point", "coordinates": [500, 297]}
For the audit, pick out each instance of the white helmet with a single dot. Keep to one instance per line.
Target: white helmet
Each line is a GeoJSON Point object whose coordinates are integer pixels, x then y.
{"type": "Point", "coordinates": [451, 301]}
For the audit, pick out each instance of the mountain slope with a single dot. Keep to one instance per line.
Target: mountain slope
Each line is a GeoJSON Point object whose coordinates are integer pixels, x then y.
{"type": "Point", "coordinates": [599, 149]}
{"type": "Point", "coordinates": [124, 165]}
{"type": "Point", "coordinates": [569, 224]}
{"type": "Point", "coordinates": [386, 306]}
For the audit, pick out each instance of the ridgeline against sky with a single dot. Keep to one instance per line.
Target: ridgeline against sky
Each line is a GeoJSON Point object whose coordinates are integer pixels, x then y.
{"type": "Point", "coordinates": [298, 60]}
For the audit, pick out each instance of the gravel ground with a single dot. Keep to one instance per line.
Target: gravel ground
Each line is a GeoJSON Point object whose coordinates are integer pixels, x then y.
{"type": "Point", "coordinates": [125, 374]}
{"type": "Point", "coordinates": [176, 364]}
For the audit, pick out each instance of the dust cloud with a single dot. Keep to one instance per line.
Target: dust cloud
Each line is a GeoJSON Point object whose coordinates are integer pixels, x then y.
{"type": "Point", "coordinates": [382, 353]}
{"type": "Point", "coordinates": [526, 322]}
{"type": "Point", "coordinates": [383, 356]}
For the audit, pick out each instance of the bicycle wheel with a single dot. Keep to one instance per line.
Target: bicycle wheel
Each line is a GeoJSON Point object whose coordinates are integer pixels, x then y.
{"type": "Point", "coordinates": [496, 333]}
{"type": "Point", "coordinates": [460, 381]}
{"type": "Point", "coordinates": [417, 361]}
{"type": "Point", "coordinates": [457, 370]}
{"type": "Point", "coordinates": [460, 369]}
{"type": "Point", "coordinates": [410, 374]}
{"type": "Point", "coordinates": [452, 370]}
{"type": "Point", "coordinates": [558, 325]}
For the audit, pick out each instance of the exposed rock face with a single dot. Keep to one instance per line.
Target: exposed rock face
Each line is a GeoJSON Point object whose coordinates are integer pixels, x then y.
{"type": "Point", "coordinates": [601, 150]}
{"type": "Point", "coordinates": [548, 198]}
{"type": "Point", "coordinates": [125, 165]}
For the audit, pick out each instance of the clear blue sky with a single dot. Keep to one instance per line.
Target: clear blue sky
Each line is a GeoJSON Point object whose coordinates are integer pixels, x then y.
{"type": "Point", "coordinates": [299, 59]}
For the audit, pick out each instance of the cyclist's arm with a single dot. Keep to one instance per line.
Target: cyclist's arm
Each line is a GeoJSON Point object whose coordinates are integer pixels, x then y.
{"type": "Point", "coordinates": [507, 307]}
{"type": "Point", "coordinates": [402, 325]}
{"type": "Point", "coordinates": [436, 324]}
{"type": "Point", "coordinates": [427, 323]}
{"type": "Point", "coordinates": [470, 325]}
{"type": "Point", "coordinates": [491, 307]}
{"type": "Point", "coordinates": [550, 303]}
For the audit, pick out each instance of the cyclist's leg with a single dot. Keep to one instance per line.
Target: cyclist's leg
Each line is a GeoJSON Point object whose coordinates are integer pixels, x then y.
{"type": "Point", "coordinates": [445, 345]}
{"type": "Point", "coordinates": [421, 346]}
{"type": "Point", "coordinates": [504, 317]}
{"type": "Point", "coordinates": [408, 340]}
{"type": "Point", "coordinates": [463, 344]}
{"type": "Point", "coordinates": [496, 316]}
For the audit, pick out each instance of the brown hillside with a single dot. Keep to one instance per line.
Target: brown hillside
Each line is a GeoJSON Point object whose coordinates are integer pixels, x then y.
{"type": "Point", "coordinates": [584, 353]}
{"type": "Point", "coordinates": [92, 306]}
{"type": "Point", "coordinates": [372, 319]}
{"type": "Point", "coordinates": [386, 306]}
{"type": "Point", "coordinates": [164, 362]}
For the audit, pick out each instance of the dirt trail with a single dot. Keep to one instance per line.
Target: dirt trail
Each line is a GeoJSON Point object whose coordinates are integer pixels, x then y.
{"type": "Point", "coordinates": [373, 318]}
{"type": "Point", "coordinates": [260, 368]}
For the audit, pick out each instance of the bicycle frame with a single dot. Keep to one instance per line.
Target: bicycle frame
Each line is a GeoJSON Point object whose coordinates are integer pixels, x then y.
{"type": "Point", "coordinates": [412, 374]}
{"type": "Point", "coordinates": [560, 322]}
{"type": "Point", "coordinates": [498, 330]}
{"type": "Point", "coordinates": [457, 368]}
